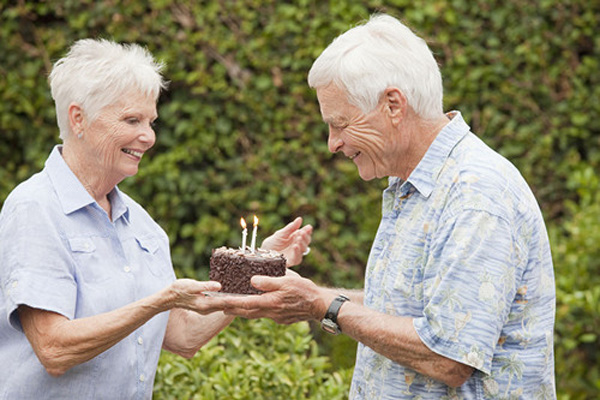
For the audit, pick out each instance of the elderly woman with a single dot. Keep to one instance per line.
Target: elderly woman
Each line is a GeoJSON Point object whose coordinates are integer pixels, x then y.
{"type": "Point", "coordinates": [89, 296]}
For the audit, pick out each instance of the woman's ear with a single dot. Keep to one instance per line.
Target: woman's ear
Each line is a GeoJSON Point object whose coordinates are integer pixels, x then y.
{"type": "Point", "coordinates": [396, 104]}
{"type": "Point", "coordinates": [76, 118]}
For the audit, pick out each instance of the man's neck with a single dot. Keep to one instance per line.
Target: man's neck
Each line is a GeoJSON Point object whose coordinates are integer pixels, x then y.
{"type": "Point", "coordinates": [420, 133]}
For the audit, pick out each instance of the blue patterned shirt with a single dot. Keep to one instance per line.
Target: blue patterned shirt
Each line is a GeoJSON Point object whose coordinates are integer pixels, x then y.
{"type": "Point", "coordinates": [462, 249]}
{"type": "Point", "coordinates": [60, 252]}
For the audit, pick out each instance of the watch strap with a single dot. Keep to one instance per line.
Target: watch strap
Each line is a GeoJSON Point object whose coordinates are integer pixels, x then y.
{"type": "Point", "coordinates": [334, 308]}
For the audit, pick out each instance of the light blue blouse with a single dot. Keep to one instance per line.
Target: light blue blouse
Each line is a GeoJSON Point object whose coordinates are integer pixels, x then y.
{"type": "Point", "coordinates": [60, 252]}
{"type": "Point", "coordinates": [462, 248]}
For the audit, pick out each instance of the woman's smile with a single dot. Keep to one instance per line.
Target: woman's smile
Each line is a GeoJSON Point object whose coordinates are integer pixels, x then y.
{"type": "Point", "coordinates": [135, 153]}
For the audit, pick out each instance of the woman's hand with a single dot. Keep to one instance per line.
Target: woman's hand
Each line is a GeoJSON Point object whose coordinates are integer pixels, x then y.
{"type": "Point", "coordinates": [291, 240]}
{"type": "Point", "coordinates": [189, 295]}
{"type": "Point", "coordinates": [194, 318]}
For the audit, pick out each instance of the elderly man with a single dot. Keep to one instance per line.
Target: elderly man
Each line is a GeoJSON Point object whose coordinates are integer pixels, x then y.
{"type": "Point", "coordinates": [459, 289]}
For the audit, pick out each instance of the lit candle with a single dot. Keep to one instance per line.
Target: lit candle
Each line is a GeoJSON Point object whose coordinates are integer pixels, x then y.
{"type": "Point", "coordinates": [253, 243]}
{"type": "Point", "coordinates": [244, 234]}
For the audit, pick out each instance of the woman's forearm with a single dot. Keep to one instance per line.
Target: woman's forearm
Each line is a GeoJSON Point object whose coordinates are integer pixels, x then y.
{"type": "Point", "coordinates": [61, 344]}
{"type": "Point", "coordinates": [188, 331]}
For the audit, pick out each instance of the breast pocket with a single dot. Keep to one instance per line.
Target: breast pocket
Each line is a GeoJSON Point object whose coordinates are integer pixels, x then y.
{"type": "Point", "coordinates": [90, 266]}
{"type": "Point", "coordinates": [152, 256]}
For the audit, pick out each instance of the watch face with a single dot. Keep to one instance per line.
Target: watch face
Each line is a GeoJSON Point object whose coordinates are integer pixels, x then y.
{"type": "Point", "coordinates": [330, 327]}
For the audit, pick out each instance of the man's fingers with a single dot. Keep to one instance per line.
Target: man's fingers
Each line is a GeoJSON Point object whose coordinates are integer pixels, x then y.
{"type": "Point", "coordinates": [266, 283]}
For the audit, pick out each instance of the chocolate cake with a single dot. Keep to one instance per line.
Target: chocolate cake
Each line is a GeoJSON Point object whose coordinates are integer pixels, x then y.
{"type": "Point", "coordinates": [234, 268]}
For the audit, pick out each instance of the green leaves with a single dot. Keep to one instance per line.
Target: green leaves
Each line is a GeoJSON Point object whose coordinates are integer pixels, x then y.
{"type": "Point", "coordinates": [253, 359]}
{"type": "Point", "coordinates": [577, 264]}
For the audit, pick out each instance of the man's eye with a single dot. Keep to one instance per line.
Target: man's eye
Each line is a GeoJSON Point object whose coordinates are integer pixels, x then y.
{"type": "Point", "coordinates": [132, 121]}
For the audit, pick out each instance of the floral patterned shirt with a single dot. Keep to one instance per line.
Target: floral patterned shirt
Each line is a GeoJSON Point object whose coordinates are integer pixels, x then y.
{"type": "Point", "coordinates": [462, 249]}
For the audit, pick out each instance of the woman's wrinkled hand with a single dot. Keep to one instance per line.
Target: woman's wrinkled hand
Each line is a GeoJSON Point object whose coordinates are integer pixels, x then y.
{"type": "Point", "coordinates": [291, 240]}
{"type": "Point", "coordinates": [190, 294]}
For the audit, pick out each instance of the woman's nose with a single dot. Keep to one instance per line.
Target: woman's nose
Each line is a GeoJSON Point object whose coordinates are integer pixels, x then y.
{"type": "Point", "coordinates": [148, 135]}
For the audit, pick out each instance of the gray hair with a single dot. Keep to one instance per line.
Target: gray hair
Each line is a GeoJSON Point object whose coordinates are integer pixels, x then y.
{"type": "Point", "coordinates": [382, 53]}
{"type": "Point", "coordinates": [95, 73]}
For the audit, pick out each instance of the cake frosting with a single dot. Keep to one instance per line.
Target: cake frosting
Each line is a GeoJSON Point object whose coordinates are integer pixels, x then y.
{"type": "Point", "coordinates": [233, 268]}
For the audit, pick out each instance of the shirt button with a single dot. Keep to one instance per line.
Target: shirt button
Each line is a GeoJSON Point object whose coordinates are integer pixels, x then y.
{"type": "Point", "coordinates": [15, 284]}
{"type": "Point", "coordinates": [140, 340]}
{"type": "Point", "coordinates": [142, 378]}
{"type": "Point", "coordinates": [127, 268]}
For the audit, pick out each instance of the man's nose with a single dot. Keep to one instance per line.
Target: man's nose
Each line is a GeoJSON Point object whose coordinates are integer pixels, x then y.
{"type": "Point", "coordinates": [334, 141]}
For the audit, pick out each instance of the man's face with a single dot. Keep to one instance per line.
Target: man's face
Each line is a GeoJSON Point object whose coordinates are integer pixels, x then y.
{"type": "Point", "coordinates": [367, 139]}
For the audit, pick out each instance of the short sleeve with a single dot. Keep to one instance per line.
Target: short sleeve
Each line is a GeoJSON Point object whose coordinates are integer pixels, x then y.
{"type": "Point", "coordinates": [35, 267]}
{"type": "Point", "coordinates": [476, 266]}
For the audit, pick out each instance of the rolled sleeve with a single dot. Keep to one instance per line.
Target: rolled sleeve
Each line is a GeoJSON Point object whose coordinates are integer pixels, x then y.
{"type": "Point", "coordinates": [475, 277]}
{"type": "Point", "coordinates": [52, 292]}
{"type": "Point", "coordinates": [36, 270]}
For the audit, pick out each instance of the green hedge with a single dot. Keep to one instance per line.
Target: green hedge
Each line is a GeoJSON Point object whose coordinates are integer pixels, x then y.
{"type": "Point", "coordinates": [256, 360]}
{"type": "Point", "coordinates": [240, 133]}
{"type": "Point", "coordinates": [577, 255]}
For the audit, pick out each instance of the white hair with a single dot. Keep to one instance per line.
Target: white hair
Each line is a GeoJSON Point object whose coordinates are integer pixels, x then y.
{"type": "Point", "coordinates": [382, 53]}
{"type": "Point", "coordinates": [95, 73]}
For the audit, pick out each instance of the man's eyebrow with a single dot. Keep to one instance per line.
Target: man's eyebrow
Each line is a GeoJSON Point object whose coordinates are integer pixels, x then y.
{"type": "Point", "coordinates": [334, 120]}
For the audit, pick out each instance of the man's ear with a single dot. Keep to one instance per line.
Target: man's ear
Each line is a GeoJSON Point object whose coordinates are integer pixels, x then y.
{"type": "Point", "coordinates": [76, 118]}
{"type": "Point", "coordinates": [395, 103]}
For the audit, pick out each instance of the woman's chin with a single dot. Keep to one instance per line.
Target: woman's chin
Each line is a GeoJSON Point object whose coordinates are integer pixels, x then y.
{"type": "Point", "coordinates": [131, 171]}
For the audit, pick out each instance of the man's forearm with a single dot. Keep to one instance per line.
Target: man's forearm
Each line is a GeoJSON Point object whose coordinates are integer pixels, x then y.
{"type": "Point", "coordinates": [355, 295]}
{"type": "Point", "coordinates": [395, 338]}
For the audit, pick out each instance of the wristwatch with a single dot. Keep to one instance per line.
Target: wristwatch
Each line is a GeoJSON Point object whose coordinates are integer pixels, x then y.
{"type": "Point", "coordinates": [329, 323]}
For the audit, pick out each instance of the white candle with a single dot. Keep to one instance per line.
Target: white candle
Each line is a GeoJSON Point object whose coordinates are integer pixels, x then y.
{"type": "Point", "coordinates": [253, 243]}
{"type": "Point", "coordinates": [244, 234]}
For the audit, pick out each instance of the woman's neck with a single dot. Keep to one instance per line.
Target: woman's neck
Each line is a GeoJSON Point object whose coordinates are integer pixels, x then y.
{"type": "Point", "coordinates": [94, 182]}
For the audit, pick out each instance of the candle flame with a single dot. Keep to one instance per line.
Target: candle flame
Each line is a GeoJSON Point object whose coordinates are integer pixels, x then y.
{"type": "Point", "coordinates": [243, 223]}
{"type": "Point", "coordinates": [255, 220]}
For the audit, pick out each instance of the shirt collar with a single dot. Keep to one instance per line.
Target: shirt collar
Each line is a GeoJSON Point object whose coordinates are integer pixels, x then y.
{"type": "Point", "coordinates": [423, 177]}
{"type": "Point", "coordinates": [72, 194]}
{"type": "Point", "coordinates": [119, 208]}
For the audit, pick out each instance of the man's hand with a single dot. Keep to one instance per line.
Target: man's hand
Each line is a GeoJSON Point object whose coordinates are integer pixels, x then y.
{"type": "Point", "coordinates": [291, 240]}
{"type": "Point", "coordinates": [288, 299]}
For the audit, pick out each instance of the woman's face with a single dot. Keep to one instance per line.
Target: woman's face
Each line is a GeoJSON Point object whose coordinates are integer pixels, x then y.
{"type": "Point", "coordinates": [118, 138]}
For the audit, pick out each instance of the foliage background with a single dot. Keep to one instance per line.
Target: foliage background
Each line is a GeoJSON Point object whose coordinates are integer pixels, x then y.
{"type": "Point", "coordinates": [240, 133]}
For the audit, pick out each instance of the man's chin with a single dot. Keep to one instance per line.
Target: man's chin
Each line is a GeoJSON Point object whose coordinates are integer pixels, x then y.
{"type": "Point", "coordinates": [370, 175]}
{"type": "Point", "coordinates": [366, 177]}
